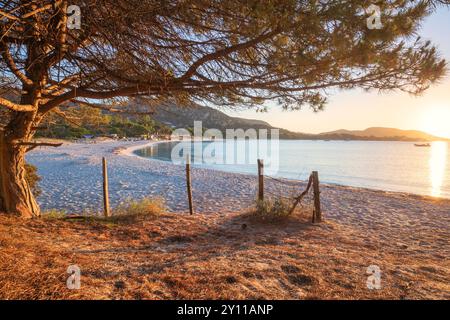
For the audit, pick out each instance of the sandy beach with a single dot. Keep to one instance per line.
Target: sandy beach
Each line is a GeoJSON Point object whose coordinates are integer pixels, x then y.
{"type": "Point", "coordinates": [211, 255]}
{"type": "Point", "coordinates": [72, 182]}
{"type": "Point", "coordinates": [72, 179]}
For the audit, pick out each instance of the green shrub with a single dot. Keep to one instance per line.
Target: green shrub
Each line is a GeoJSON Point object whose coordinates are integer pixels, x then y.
{"type": "Point", "coordinates": [33, 179]}
{"type": "Point", "coordinates": [128, 212]}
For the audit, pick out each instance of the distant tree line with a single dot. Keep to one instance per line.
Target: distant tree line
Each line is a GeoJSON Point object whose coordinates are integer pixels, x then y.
{"type": "Point", "coordinates": [74, 123]}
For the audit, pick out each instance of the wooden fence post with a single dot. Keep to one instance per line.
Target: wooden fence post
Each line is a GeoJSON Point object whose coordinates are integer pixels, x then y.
{"type": "Point", "coordinates": [260, 180]}
{"type": "Point", "coordinates": [317, 213]}
{"type": "Point", "coordinates": [105, 189]}
{"type": "Point", "coordinates": [188, 183]}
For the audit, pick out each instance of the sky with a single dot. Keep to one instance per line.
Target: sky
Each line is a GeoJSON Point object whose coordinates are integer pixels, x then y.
{"type": "Point", "coordinates": [358, 110]}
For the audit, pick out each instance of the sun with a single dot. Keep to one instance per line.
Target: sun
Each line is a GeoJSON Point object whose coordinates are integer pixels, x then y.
{"type": "Point", "coordinates": [435, 120]}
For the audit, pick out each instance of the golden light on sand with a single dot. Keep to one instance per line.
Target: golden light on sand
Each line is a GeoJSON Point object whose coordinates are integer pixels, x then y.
{"type": "Point", "coordinates": [435, 120]}
{"type": "Point", "coordinates": [438, 164]}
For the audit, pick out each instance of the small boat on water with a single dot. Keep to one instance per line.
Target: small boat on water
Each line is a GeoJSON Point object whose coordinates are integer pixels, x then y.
{"type": "Point", "coordinates": [422, 144]}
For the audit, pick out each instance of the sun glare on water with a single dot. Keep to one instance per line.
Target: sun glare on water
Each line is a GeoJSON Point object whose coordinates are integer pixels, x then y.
{"type": "Point", "coordinates": [438, 165]}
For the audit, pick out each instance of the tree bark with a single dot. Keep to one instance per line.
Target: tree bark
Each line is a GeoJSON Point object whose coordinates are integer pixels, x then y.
{"type": "Point", "coordinates": [16, 196]}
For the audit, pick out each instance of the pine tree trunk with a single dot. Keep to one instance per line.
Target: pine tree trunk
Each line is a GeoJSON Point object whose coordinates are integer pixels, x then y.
{"type": "Point", "coordinates": [16, 196]}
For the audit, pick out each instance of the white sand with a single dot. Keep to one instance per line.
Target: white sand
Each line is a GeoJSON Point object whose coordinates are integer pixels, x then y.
{"type": "Point", "coordinates": [72, 180]}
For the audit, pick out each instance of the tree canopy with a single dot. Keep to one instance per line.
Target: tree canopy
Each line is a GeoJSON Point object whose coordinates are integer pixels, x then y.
{"type": "Point", "coordinates": [229, 52]}
{"type": "Point", "coordinates": [221, 52]}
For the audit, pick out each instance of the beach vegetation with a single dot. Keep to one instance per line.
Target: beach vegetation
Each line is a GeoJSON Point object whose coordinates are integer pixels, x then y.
{"type": "Point", "coordinates": [179, 256]}
{"type": "Point", "coordinates": [272, 209]}
{"type": "Point", "coordinates": [130, 210]}
{"type": "Point", "coordinates": [33, 179]}
{"type": "Point", "coordinates": [87, 121]}
{"type": "Point", "coordinates": [54, 214]}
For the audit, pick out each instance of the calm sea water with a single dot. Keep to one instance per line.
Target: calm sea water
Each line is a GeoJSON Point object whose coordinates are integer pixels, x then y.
{"type": "Point", "coordinates": [390, 166]}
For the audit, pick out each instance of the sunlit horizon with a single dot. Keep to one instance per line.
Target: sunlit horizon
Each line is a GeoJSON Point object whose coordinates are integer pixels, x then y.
{"type": "Point", "coordinates": [358, 110]}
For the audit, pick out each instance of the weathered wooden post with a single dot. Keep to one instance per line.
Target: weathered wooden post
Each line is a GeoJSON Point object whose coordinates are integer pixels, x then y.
{"type": "Point", "coordinates": [188, 183]}
{"type": "Point", "coordinates": [105, 189]}
{"type": "Point", "coordinates": [317, 213]}
{"type": "Point", "coordinates": [260, 180]}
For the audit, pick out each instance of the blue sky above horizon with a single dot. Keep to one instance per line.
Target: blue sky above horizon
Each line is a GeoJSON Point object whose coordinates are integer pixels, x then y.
{"type": "Point", "coordinates": [357, 110]}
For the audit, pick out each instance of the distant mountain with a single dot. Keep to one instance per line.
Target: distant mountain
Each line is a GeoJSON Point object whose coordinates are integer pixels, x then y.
{"type": "Point", "coordinates": [184, 117]}
{"type": "Point", "coordinates": [379, 133]}
{"type": "Point", "coordinates": [176, 117]}
{"type": "Point", "coordinates": [172, 115]}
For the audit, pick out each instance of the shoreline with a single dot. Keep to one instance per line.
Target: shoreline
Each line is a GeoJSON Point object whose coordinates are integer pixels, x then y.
{"type": "Point", "coordinates": [130, 151]}
{"type": "Point", "coordinates": [72, 182]}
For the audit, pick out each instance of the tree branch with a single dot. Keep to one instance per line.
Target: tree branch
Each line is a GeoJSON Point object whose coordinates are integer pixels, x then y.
{"type": "Point", "coordinates": [110, 109]}
{"type": "Point", "coordinates": [8, 16]}
{"type": "Point", "coordinates": [226, 51]}
{"type": "Point", "coordinates": [98, 95]}
{"type": "Point", "coordinates": [12, 65]}
{"type": "Point", "coordinates": [16, 107]}
{"type": "Point", "coordinates": [34, 145]}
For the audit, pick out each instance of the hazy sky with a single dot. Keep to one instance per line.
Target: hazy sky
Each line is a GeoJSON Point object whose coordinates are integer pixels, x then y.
{"type": "Point", "coordinates": [356, 109]}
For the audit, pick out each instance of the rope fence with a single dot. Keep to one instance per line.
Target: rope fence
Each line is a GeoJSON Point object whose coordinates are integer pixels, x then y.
{"type": "Point", "coordinates": [296, 198]}
{"type": "Point", "coordinates": [313, 184]}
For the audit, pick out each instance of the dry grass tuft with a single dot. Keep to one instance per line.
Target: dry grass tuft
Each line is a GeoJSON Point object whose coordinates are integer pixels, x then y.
{"type": "Point", "coordinates": [272, 210]}
{"type": "Point", "coordinates": [53, 214]}
{"type": "Point", "coordinates": [129, 212]}
{"type": "Point", "coordinates": [136, 209]}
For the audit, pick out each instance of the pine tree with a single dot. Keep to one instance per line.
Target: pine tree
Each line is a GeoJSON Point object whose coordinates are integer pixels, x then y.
{"type": "Point", "coordinates": [222, 52]}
